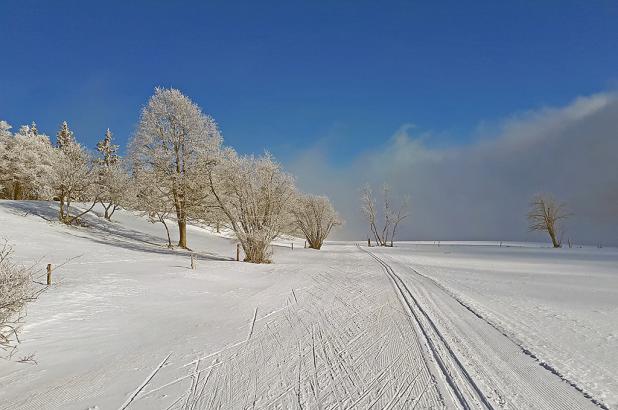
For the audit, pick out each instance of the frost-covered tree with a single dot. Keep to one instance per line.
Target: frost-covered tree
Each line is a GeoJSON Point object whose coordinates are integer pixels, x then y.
{"type": "Point", "coordinates": [383, 234]}
{"type": "Point", "coordinates": [16, 291]}
{"type": "Point", "coordinates": [175, 144]}
{"type": "Point", "coordinates": [73, 178]}
{"type": "Point", "coordinates": [26, 164]}
{"type": "Point", "coordinates": [65, 136]}
{"type": "Point", "coordinates": [108, 151]}
{"type": "Point", "coordinates": [113, 182]}
{"type": "Point", "coordinates": [314, 217]}
{"type": "Point", "coordinates": [151, 201]}
{"type": "Point", "coordinates": [256, 197]}
{"type": "Point", "coordinates": [545, 215]}
{"type": "Point", "coordinates": [5, 135]}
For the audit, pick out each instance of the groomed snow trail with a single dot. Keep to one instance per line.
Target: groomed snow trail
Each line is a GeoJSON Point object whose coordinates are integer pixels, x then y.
{"type": "Point", "coordinates": [369, 332]}
{"type": "Point", "coordinates": [481, 366]}
{"type": "Point", "coordinates": [343, 342]}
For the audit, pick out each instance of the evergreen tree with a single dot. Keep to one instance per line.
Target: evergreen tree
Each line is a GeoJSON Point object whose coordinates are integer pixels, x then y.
{"type": "Point", "coordinates": [65, 137]}
{"type": "Point", "coordinates": [109, 151]}
{"type": "Point", "coordinates": [113, 181]}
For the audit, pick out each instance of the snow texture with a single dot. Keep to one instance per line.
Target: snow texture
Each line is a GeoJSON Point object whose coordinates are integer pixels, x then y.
{"type": "Point", "coordinates": [128, 324]}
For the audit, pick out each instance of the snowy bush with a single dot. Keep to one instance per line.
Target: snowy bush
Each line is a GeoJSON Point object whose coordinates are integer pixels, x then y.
{"type": "Point", "coordinates": [255, 196]}
{"type": "Point", "coordinates": [314, 217]}
{"type": "Point", "coordinates": [15, 291]}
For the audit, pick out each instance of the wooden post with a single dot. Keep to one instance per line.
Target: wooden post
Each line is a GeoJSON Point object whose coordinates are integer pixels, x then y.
{"type": "Point", "coordinates": [237, 252]}
{"type": "Point", "coordinates": [305, 244]}
{"type": "Point", "coordinates": [192, 261]}
{"type": "Point", "coordinates": [49, 271]}
{"type": "Point", "coordinates": [292, 245]}
{"type": "Point", "coordinates": [369, 242]}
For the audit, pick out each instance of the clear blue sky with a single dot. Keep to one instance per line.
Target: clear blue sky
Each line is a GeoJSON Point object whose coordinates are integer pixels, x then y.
{"type": "Point", "coordinates": [279, 75]}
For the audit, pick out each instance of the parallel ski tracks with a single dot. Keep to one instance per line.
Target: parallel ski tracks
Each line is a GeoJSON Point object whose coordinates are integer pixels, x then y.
{"type": "Point", "coordinates": [468, 395]}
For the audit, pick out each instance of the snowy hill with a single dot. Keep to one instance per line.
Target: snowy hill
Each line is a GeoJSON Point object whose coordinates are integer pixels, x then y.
{"type": "Point", "coordinates": [420, 324]}
{"type": "Point", "coordinates": [122, 300]}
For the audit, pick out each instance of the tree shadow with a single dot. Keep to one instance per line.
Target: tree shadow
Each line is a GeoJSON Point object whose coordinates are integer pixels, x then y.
{"type": "Point", "coordinates": [100, 230]}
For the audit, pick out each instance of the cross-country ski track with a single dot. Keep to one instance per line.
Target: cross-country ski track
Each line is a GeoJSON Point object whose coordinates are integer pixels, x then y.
{"type": "Point", "coordinates": [385, 338]}
{"type": "Point", "coordinates": [128, 325]}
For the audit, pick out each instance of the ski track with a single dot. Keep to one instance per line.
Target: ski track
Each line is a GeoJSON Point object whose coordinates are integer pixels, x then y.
{"type": "Point", "coordinates": [342, 343]}
{"type": "Point", "coordinates": [364, 338]}
{"type": "Point", "coordinates": [501, 369]}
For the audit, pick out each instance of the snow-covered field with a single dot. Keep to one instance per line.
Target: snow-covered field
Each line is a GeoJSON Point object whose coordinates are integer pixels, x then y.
{"type": "Point", "coordinates": [419, 325]}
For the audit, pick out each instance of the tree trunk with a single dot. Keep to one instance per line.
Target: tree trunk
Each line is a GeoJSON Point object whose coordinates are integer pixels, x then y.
{"type": "Point", "coordinates": [112, 213]}
{"type": "Point", "coordinates": [16, 191]}
{"type": "Point", "coordinates": [182, 231]}
{"type": "Point", "coordinates": [167, 231]}
{"type": "Point", "coordinates": [61, 209]}
{"type": "Point", "coordinates": [554, 241]}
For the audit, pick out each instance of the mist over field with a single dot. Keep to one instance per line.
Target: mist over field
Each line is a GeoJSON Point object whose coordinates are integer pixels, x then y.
{"type": "Point", "coordinates": [481, 190]}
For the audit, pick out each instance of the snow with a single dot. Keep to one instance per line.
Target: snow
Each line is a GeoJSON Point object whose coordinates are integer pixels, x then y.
{"type": "Point", "coordinates": [315, 327]}
{"type": "Point", "coordinates": [562, 305]}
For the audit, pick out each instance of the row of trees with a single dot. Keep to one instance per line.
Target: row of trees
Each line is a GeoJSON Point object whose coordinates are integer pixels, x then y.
{"type": "Point", "coordinates": [546, 214]}
{"type": "Point", "coordinates": [176, 169]}
{"type": "Point", "coordinates": [32, 168]}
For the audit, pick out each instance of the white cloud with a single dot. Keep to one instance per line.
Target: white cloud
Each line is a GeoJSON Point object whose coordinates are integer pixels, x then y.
{"type": "Point", "coordinates": [481, 191]}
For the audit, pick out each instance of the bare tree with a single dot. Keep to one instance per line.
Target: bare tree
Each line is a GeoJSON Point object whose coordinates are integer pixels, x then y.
{"type": "Point", "coordinates": [175, 144]}
{"type": "Point", "coordinates": [545, 215]}
{"type": "Point", "coordinates": [391, 217]}
{"type": "Point", "coordinates": [315, 217]}
{"type": "Point", "coordinates": [255, 196]}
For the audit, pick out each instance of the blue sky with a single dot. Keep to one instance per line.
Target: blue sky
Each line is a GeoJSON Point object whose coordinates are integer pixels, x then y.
{"type": "Point", "coordinates": [283, 75]}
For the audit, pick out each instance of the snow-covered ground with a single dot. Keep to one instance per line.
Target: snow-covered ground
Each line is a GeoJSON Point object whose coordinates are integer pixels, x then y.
{"type": "Point", "coordinates": [560, 305]}
{"type": "Point", "coordinates": [453, 326]}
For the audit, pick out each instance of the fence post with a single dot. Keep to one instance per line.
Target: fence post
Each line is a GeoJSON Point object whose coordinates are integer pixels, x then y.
{"type": "Point", "coordinates": [292, 245]}
{"type": "Point", "coordinates": [192, 261]}
{"type": "Point", "coordinates": [305, 244]}
{"type": "Point", "coordinates": [237, 252]}
{"type": "Point", "coordinates": [49, 271]}
{"type": "Point", "coordinates": [369, 242]}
